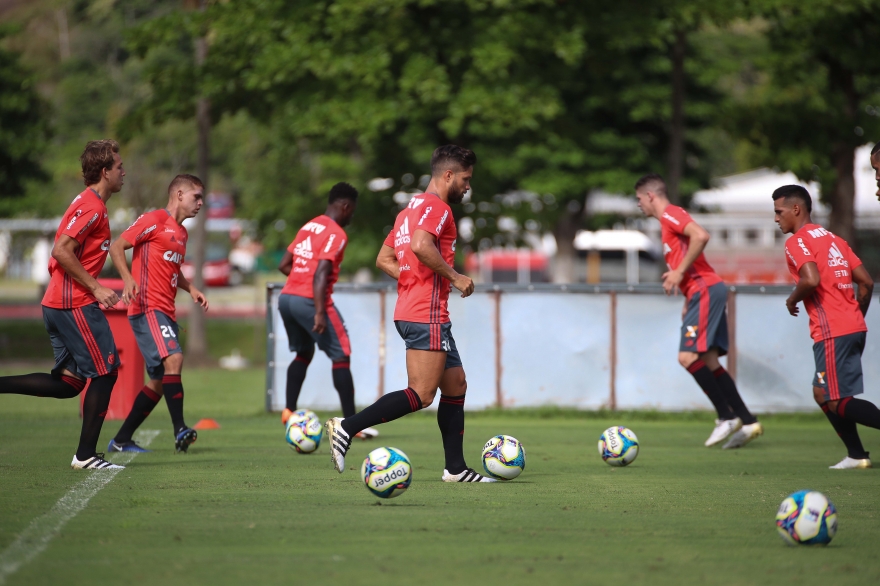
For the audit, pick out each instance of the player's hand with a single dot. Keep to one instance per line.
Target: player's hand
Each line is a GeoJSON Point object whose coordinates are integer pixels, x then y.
{"type": "Point", "coordinates": [671, 280]}
{"type": "Point", "coordinates": [198, 297]}
{"type": "Point", "coordinates": [320, 323]}
{"type": "Point", "coordinates": [792, 306]}
{"type": "Point", "coordinates": [106, 297]}
{"type": "Point", "coordinates": [464, 284]}
{"type": "Point", "coordinates": [129, 292]}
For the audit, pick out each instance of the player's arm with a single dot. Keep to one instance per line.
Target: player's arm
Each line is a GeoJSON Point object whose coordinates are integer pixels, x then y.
{"type": "Point", "coordinates": [197, 296]}
{"type": "Point", "coordinates": [808, 276]}
{"type": "Point", "coordinates": [286, 264]}
{"type": "Point", "coordinates": [698, 240]}
{"type": "Point", "coordinates": [319, 292]}
{"type": "Point", "coordinates": [863, 279]}
{"type": "Point", "coordinates": [387, 262]}
{"type": "Point", "coordinates": [424, 247]}
{"type": "Point", "coordinates": [117, 255]}
{"type": "Point", "coordinates": [64, 251]}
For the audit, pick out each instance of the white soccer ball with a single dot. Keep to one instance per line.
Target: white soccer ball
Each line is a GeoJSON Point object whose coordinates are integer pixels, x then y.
{"type": "Point", "coordinates": [387, 472]}
{"type": "Point", "coordinates": [303, 431]}
{"type": "Point", "coordinates": [618, 446]}
{"type": "Point", "coordinates": [806, 517]}
{"type": "Point", "coordinates": [504, 457]}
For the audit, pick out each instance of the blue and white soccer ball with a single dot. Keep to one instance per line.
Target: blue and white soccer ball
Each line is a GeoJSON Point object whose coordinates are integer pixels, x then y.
{"type": "Point", "coordinates": [303, 431]}
{"type": "Point", "coordinates": [806, 517]}
{"type": "Point", "coordinates": [387, 472]}
{"type": "Point", "coordinates": [618, 446]}
{"type": "Point", "coordinates": [504, 457]}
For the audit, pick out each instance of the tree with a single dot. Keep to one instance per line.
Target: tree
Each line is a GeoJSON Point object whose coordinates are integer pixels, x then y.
{"type": "Point", "coordinates": [816, 106]}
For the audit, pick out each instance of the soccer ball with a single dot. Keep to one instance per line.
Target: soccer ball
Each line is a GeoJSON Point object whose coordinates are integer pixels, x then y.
{"type": "Point", "coordinates": [504, 457]}
{"type": "Point", "coordinates": [806, 517]}
{"type": "Point", "coordinates": [618, 446]}
{"type": "Point", "coordinates": [387, 472]}
{"type": "Point", "coordinates": [303, 431]}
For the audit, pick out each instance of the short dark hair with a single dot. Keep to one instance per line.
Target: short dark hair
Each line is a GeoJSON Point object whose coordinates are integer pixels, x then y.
{"type": "Point", "coordinates": [795, 192]}
{"type": "Point", "coordinates": [453, 157]}
{"type": "Point", "coordinates": [652, 181]}
{"type": "Point", "coordinates": [97, 156]}
{"type": "Point", "coordinates": [876, 149]}
{"type": "Point", "coordinates": [184, 179]}
{"type": "Point", "coordinates": [342, 190]}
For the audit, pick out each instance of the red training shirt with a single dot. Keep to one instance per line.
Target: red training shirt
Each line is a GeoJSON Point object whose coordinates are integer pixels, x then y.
{"type": "Point", "coordinates": [422, 294]}
{"type": "Point", "coordinates": [700, 276]}
{"type": "Point", "coordinates": [320, 239]}
{"type": "Point", "coordinates": [159, 248]}
{"type": "Point", "coordinates": [832, 307]}
{"type": "Point", "coordinates": [86, 222]}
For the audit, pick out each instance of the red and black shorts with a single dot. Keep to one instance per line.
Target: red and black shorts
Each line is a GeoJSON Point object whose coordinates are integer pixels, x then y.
{"type": "Point", "coordinates": [839, 366]}
{"type": "Point", "coordinates": [438, 337]}
{"type": "Point", "coordinates": [81, 340]}
{"type": "Point", "coordinates": [298, 315]}
{"type": "Point", "coordinates": [705, 322]}
{"type": "Point", "coordinates": [156, 335]}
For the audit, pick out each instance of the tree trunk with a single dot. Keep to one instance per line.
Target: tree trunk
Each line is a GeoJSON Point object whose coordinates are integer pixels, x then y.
{"type": "Point", "coordinates": [197, 340]}
{"type": "Point", "coordinates": [843, 194]}
{"type": "Point", "coordinates": [676, 128]}
{"type": "Point", "coordinates": [566, 228]}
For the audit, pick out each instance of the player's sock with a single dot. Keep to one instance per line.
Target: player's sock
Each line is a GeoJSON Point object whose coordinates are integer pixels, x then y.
{"type": "Point", "coordinates": [450, 419]}
{"type": "Point", "coordinates": [388, 408]}
{"type": "Point", "coordinates": [172, 388]}
{"type": "Point", "coordinates": [41, 384]}
{"type": "Point", "coordinates": [847, 432]}
{"type": "Point", "coordinates": [707, 382]}
{"type": "Point", "coordinates": [344, 386]}
{"type": "Point", "coordinates": [296, 374]}
{"type": "Point", "coordinates": [860, 411]}
{"type": "Point", "coordinates": [143, 405]}
{"type": "Point", "coordinates": [94, 410]}
{"type": "Point", "coordinates": [732, 397]}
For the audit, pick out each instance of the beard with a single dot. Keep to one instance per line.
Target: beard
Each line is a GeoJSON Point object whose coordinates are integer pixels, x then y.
{"type": "Point", "coordinates": [456, 195]}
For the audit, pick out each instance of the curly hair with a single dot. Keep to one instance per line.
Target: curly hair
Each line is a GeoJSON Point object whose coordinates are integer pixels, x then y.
{"type": "Point", "coordinates": [97, 157]}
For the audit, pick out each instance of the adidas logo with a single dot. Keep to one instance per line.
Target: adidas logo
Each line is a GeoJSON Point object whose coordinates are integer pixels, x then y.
{"type": "Point", "coordinates": [415, 202]}
{"type": "Point", "coordinates": [835, 257]}
{"type": "Point", "coordinates": [304, 248]}
{"type": "Point", "coordinates": [401, 237]}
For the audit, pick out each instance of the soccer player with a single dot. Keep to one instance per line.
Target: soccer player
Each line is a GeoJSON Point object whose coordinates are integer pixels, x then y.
{"type": "Point", "coordinates": [311, 264]}
{"type": "Point", "coordinates": [159, 242]}
{"type": "Point", "coordinates": [81, 339]}
{"type": "Point", "coordinates": [704, 317]}
{"type": "Point", "coordinates": [825, 268]}
{"type": "Point", "coordinates": [419, 252]}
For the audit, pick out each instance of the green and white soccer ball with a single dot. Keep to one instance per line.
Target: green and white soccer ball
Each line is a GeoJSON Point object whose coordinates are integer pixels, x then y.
{"type": "Point", "coordinates": [303, 431]}
{"type": "Point", "coordinates": [618, 446]}
{"type": "Point", "coordinates": [504, 457]}
{"type": "Point", "coordinates": [806, 517]}
{"type": "Point", "coordinates": [387, 472]}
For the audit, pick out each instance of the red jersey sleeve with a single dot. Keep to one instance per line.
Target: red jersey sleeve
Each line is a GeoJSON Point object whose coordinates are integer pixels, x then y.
{"type": "Point", "coordinates": [142, 230]}
{"type": "Point", "coordinates": [435, 218]}
{"type": "Point", "coordinates": [81, 223]}
{"type": "Point", "coordinates": [798, 252]}
{"type": "Point", "coordinates": [676, 219]}
{"type": "Point", "coordinates": [389, 240]}
{"type": "Point", "coordinates": [332, 248]}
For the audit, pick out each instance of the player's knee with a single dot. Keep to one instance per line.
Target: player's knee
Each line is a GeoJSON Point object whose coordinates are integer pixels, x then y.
{"type": "Point", "coordinates": [427, 397]}
{"type": "Point", "coordinates": [155, 386]}
{"type": "Point", "coordinates": [819, 396]}
{"type": "Point", "coordinates": [686, 359]}
{"type": "Point", "coordinates": [173, 363]}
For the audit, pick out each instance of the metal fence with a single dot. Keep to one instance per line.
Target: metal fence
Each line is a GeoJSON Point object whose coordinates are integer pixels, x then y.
{"type": "Point", "coordinates": [581, 346]}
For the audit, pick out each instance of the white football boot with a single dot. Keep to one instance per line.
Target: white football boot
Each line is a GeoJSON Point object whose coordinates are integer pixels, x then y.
{"type": "Point", "coordinates": [723, 428]}
{"type": "Point", "coordinates": [339, 442]}
{"type": "Point", "coordinates": [744, 435]}
{"type": "Point", "coordinates": [96, 462]}
{"type": "Point", "coordinates": [851, 464]}
{"type": "Point", "coordinates": [469, 475]}
{"type": "Point", "coordinates": [367, 433]}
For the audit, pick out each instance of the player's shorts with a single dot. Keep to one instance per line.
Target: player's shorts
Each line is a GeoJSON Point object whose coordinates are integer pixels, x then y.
{"type": "Point", "coordinates": [436, 337]}
{"type": "Point", "coordinates": [839, 366]}
{"type": "Point", "coordinates": [298, 315]}
{"type": "Point", "coordinates": [156, 336]}
{"type": "Point", "coordinates": [705, 322]}
{"type": "Point", "coordinates": [81, 340]}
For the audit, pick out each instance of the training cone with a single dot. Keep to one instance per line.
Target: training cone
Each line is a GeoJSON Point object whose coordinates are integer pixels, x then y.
{"type": "Point", "coordinates": [206, 424]}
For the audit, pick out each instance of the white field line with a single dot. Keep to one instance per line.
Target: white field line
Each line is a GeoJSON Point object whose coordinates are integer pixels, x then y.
{"type": "Point", "coordinates": [36, 537]}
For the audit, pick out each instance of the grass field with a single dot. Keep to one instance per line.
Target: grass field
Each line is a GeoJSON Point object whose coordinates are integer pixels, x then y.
{"type": "Point", "coordinates": [243, 508]}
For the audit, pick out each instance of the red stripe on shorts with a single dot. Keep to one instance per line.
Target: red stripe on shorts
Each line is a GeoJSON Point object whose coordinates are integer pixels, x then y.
{"type": "Point", "coordinates": [831, 370]}
{"type": "Point", "coordinates": [339, 328]}
{"type": "Point", "coordinates": [159, 340]}
{"type": "Point", "coordinates": [91, 344]}
{"type": "Point", "coordinates": [703, 323]}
